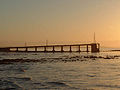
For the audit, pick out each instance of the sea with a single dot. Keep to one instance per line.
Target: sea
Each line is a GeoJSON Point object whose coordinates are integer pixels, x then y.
{"type": "Point", "coordinates": [60, 71]}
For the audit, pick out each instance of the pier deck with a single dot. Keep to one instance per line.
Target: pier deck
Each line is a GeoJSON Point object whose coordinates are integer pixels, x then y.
{"type": "Point", "coordinates": [95, 47]}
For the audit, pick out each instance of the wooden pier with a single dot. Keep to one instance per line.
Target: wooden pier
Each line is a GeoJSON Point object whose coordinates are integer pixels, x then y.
{"type": "Point", "coordinates": [95, 47]}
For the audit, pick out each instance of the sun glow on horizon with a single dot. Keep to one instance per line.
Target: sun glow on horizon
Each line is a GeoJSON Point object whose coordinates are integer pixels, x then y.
{"type": "Point", "coordinates": [64, 21]}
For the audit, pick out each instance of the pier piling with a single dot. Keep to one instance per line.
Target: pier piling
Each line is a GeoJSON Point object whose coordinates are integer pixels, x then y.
{"type": "Point", "coordinates": [70, 48]}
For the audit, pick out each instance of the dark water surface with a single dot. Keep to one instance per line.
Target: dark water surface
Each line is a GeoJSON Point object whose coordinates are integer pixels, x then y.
{"type": "Point", "coordinates": [66, 71]}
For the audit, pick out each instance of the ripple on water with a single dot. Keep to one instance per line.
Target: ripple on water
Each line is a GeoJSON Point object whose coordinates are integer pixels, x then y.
{"type": "Point", "coordinates": [20, 78]}
{"type": "Point", "coordinates": [14, 82]}
{"type": "Point", "coordinates": [7, 85]}
{"type": "Point", "coordinates": [60, 85]}
{"type": "Point", "coordinates": [109, 86]}
{"type": "Point", "coordinates": [57, 84]}
{"type": "Point", "coordinates": [50, 85]}
{"type": "Point", "coordinates": [25, 78]}
{"type": "Point", "coordinates": [91, 75]}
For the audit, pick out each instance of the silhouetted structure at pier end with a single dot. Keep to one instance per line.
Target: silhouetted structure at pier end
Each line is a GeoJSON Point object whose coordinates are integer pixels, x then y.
{"type": "Point", "coordinates": [95, 47]}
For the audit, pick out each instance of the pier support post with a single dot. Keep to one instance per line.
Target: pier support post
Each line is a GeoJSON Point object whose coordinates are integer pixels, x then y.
{"type": "Point", "coordinates": [98, 47]}
{"type": "Point", "coordinates": [79, 49]}
{"type": "Point", "coordinates": [45, 49]}
{"type": "Point", "coordinates": [87, 49]}
{"type": "Point", "coordinates": [35, 49]}
{"type": "Point", "coordinates": [62, 49]}
{"type": "Point", "coordinates": [53, 49]}
{"type": "Point", "coordinates": [8, 49]}
{"type": "Point", "coordinates": [17, 49]}
{"type": "Point", "coordinates": [70, 48]}
{"type": "Point", "coordinates": [26, 49]}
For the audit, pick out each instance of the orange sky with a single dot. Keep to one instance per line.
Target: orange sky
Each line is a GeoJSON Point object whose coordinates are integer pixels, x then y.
{"type": "Point", "coordinates": [59, 21]}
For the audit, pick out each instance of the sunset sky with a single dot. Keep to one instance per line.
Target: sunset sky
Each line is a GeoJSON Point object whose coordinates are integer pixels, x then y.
{"type": "Point", "coordinates": [59, 21]}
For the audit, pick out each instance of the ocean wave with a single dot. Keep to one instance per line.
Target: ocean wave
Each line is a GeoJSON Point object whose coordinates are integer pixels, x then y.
{"type": "Point", "coordinates": [58, 59]}
{"type": "Point", "coordinates": [109, 86]}
{"type": "Point", "coordinates": [57, 84]}
{"type": "Point", "coordinates": [7, 85]}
